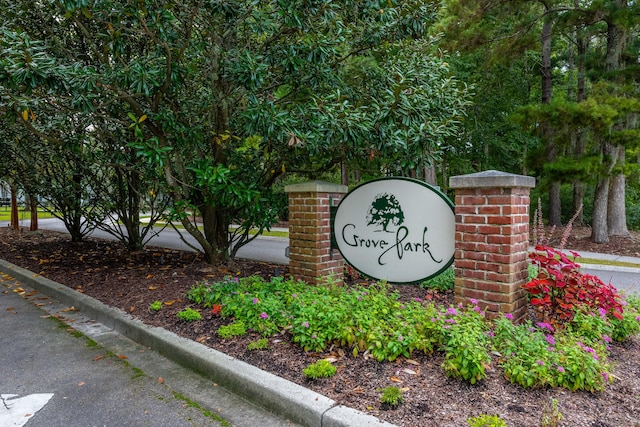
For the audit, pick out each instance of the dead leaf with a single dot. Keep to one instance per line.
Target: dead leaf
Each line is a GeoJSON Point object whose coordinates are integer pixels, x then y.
{"type": "Point", "coordinates": [68, 309]}
{"type": "Point", "coordinates": [10, 308]}
{"type": "Point", "coordinates": [95, 359]}
{"type": "Point", "coordinates": [81, 383]}
{"type": "Point", "coordinates": [413, 362]}
{"type": "Point", "coordinates": [170, 302]}
{"type": "Point", "coordinates": [409, 371]}
{"type": "Point", "coordinates": [149, 276]}
{"type": "Point", "coordinates": [153, 288]}
{"type": "Point", "coordinates": [132, 309]}
{"type": "Point", "coordinates": [396, 380]}
{"type": "Point", "coordinates": [121, 356]}
{"type": "Point", "coordinates": [160, 380]}
{"type": "Point", "coordinates": [331, 359]}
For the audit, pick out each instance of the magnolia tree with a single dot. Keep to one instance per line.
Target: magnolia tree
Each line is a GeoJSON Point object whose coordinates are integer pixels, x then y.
{"type": "Point", "coordinates": [221, 98]}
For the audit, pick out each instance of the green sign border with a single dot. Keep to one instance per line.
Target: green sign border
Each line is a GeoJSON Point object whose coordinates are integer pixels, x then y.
{"type": "Point", "coordinates": [397, 178]}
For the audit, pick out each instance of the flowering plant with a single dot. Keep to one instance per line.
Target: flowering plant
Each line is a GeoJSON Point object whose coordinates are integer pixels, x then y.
{"type": "Point", "coordinates": [560, 288]}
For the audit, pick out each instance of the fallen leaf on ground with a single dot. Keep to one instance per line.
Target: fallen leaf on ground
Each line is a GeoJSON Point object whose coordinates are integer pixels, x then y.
{"type": "Point", "coordinates": [396, 380]}
{"type": "Point", "coordinates": [95, 359]}
{"type": "Point", "coordinates": [121, 356]}
{"type": "Point", "coordinates": [160, 380]}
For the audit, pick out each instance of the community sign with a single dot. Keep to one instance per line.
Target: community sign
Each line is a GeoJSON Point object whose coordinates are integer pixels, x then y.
{"type": "Point", "coordinates": [396, 229]}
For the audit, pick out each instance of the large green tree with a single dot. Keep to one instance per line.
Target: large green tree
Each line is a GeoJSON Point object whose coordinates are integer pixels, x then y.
{"type": "Point", "coordinates": [222, 97]}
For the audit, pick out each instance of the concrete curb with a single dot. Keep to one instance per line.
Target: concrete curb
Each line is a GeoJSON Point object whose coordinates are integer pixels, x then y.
{"type": "Point", "coordinates": [275, 394]}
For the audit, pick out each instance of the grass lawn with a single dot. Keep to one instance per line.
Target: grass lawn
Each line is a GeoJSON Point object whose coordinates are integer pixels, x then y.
{"type": "Point", "coordinates": [5, 214]}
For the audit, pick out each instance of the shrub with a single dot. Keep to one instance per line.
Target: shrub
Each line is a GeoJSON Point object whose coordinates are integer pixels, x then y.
{"type": "Point", "coordinates": [560, 289]}
{"type": "Point", "coordinates": [464, 340]}
{"type": "Point", "coordinates": [189, 315]}
{"type": "Point", "coordinates": [485, 420]}
{"type": "Point", "coordinates": [321, 369]}
{"type": "Point", "coordinates": [534, 357]}
{"type": "Point", "coordinates": [261, 344]}
{"type": "Point", "coordinates": [155, 306]}
{"type": "Point", "coordinates": [392, 396]}
{"type": "Point", "coordinates": [442, 282]}
{"type": "Point", "coordinates": [236, 329]}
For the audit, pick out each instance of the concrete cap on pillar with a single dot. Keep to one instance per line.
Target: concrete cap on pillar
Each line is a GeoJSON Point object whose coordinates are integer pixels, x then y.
{"type": "Point", "coordinates": [316, 187]}
{"type": "Point", "coordinates": [492, 178]}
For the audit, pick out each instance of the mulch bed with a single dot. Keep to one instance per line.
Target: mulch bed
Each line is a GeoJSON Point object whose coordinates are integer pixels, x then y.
{"type": "Point", "coordinates": [131, 282]}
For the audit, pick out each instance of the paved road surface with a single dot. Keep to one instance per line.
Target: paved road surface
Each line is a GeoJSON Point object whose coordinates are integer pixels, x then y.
{"type": "Point", "coordinates": [51, 375]}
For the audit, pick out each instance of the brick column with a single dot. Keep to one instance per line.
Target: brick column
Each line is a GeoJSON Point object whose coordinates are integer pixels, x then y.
{"type": "Point", "coordinates": [492, 240]}
{"type": "Point", "coordinates": [310, 257]}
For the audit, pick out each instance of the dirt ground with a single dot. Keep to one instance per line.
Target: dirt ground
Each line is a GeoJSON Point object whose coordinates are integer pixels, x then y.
{"type": "Point", "coordinates": [105, 271]}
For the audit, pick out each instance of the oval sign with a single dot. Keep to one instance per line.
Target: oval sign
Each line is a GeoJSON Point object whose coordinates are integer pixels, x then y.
{"type": "Point", "coordinates": [396, 229]}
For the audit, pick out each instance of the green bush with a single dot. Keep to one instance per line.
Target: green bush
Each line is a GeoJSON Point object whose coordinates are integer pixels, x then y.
{"type": "Point", "coordinates": [392, 396]}
{"type": "Point", "coordinates": [261, 344]}
{"type": "Point", "coordinates": [155, 306]}
{"type": "Point", "coordinates": [236, 329]}
{"type": "Point", "coordinates": [189, 315]}
{"type": "Point", "coordinates": [442, 282]}
{"type": "Point", "coordinates": [485, 420]}
{"type": "Point", "coordinates": [321, 369]}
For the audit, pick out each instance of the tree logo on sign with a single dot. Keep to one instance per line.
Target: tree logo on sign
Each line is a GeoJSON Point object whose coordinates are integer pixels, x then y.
{"type": "Point", "coordinates": [385, 210]}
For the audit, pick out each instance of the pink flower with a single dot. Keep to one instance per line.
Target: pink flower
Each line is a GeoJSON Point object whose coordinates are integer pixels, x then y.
{"type": "Point", "coordinates": [550, 339]}
{"type": "Point", "coordinates": [473, 301]}
{"type": "Point", "coordinates": [264, 315]}
{"type": "Point", "coordinates": [451, 311]}
{"type": "Point", "coordinates": [544, 325]}
{"type": "Point", "coordinates": [540, 362]}
{"type": "Point", "coordinates": [560, 369]}
{"type": "Point", "coordinates": [255, 300]}
{"type": "Point", "coordinates": [509, 316]}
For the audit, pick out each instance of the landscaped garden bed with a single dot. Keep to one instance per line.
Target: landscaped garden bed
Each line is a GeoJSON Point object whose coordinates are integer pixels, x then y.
{"type": "Point", "coordinates": [424, 341]}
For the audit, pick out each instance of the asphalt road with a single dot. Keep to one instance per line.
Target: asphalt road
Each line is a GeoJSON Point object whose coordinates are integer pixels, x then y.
{"type": "Point", "coordinates": [267, 249]}
{"type": "Point", "coordinates": [51, 377]}
{"type": "Point", "coordinates": [91, 375]}
{"type": "Point", "coordinates": [272, 249]}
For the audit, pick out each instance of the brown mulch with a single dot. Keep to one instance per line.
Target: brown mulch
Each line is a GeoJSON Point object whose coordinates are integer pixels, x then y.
{"type": "Point", "coordinates": [131, 282]}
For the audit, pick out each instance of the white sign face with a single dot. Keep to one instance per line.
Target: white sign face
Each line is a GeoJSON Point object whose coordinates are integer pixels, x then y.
{"type": "Point", "coordinates": [396, 229]}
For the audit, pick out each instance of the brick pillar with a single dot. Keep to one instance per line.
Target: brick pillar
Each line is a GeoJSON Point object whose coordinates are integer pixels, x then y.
{"type": "Point", "coordinates": [310, 257]}
{"type": "Point", "coordinates": [492, 240]}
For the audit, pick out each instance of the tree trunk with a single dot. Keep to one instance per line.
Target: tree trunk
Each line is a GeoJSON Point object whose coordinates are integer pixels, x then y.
{"type": "Point", "coordinates": [33, 205]}
{"type": "Point", "coordinates": [15, 223]}
{"type": "Point", "coordinates": [599, 232]}
{"type": "Point", "coordinates": [580, 135]}
{"type": "Point", "coordinates": [546, 130]}
{"type": "Point", "coordinates": [616, 207]}
{"type": "Point", "coordinates": [616, 210]}
{"type": "Point", "coordinates": [430, 174]}
{"type": "Point", "coordinates": [344, 173]}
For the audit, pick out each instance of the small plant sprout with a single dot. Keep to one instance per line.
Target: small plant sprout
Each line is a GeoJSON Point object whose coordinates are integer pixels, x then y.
{"type": "Point", "coordinates": [261, 344]}
{"type": "Point", "coordinates": [551, 415]}
{"type": "Point", "coordinates": [484, 420]}
{"type": "Point", "coordinates": [189, 315]}
{"type": "Point", "coordinates": [321, 369]}
{"type": "Point", "coordinates": [391, 396]}
{"type": "Point", "coordinates": [155, 306]}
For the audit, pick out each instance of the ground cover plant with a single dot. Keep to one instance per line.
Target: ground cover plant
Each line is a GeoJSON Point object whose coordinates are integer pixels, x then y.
{"type": "Point", "coordinates": [431, 397]}
{"type": "Point", "coordinates": [570, 353]}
